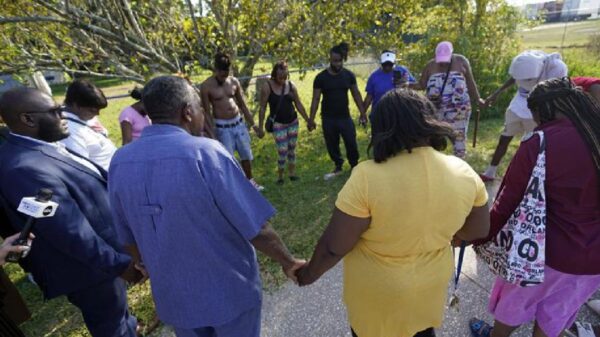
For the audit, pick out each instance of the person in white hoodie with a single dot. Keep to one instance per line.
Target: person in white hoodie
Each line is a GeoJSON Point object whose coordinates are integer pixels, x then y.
{"type": "Point", "coordinates": [526, 71]}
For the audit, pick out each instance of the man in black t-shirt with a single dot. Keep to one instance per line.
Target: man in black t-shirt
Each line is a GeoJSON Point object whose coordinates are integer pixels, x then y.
{"type": "Point", "coordinates": [334, 83]}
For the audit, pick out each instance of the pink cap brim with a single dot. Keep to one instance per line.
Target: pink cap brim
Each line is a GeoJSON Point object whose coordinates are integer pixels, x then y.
{"type": "Point", "coordinates": [443, 58]}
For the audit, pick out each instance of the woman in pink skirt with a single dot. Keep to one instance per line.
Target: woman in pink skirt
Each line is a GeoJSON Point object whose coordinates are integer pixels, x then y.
{"type": "Point", "coordinates": [570, 121]}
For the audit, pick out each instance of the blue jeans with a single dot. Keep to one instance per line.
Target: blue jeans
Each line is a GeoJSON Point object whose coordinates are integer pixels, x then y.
{"type": "Point", "coordinates": [333, 128]}
{"type": "Point", "coordinates": [247, 325]}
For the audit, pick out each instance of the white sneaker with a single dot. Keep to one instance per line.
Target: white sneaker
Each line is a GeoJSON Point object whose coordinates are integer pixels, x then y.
{"type": "Point", "coordinates": [329, 176]}
{"type": "Point", "coordinates": [256, 185]}
{"type": "Point", "coordinates": [594, 305]}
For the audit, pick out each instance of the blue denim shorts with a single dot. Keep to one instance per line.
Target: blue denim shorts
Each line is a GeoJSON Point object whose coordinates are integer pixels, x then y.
{"type": "Point", "coordinates": [233, 134]}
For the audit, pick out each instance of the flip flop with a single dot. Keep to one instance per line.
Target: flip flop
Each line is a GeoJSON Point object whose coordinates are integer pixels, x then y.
{"type": "Point", "coordinates": [479, 328]}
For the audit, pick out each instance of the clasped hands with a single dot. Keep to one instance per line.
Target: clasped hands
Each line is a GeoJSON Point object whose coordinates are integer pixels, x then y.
{"type": "Point", "coordinates": [135, 273]}
{"type": "Point", "coordinates": [299, 272]}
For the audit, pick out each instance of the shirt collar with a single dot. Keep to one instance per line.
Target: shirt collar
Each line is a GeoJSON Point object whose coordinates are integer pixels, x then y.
{"type": "Point", "coordinates": [71, 115]}
{"type": "Point", "coordinates": [561, 122]}
{"type": "Point", "coordinates": [35, 140]}
{"type": "Point", "coordinates": [161, 129]}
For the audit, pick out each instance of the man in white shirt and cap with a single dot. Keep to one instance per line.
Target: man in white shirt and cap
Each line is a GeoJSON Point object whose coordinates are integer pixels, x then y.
{"type": "Point", "coordinates": [526, 70]}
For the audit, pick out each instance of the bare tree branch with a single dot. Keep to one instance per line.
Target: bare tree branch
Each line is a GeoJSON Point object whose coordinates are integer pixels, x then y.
{"type": "Point", "coordinates": [195, 23]}
{"type": "Point", "coordinates": [19, 19]}
{"type": "Point", "coordinates": [132, 21]}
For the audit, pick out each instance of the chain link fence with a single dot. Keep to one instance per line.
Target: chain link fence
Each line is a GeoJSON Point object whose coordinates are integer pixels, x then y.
{"type": "Point", "coordinates": [302, 79]}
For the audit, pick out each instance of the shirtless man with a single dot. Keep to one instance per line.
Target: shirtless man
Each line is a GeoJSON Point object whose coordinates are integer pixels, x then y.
{"type": "Point", "coordinates": [222, 94]}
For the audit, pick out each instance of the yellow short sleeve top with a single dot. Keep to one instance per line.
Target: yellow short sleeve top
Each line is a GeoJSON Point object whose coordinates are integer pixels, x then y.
{"type": "Point", "coordinates": [417, 202]}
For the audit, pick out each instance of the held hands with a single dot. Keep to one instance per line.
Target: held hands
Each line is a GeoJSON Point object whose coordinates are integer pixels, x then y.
{"type": "Point", "coordinates": [362, 120]}
{"type": "Point", "coordinates": [133, 274]}
{"type": "Point", "coordinates": [490, 100]}
{"type": "Point", "coordinates": [311, 125]}
{"type": "Point", "coordinates": [290, 269]}
{"type": "Point", "coordinates": [139, 266]}
{"type": "Point", "coordinates": [259, 131]}
{"type": "Point", "coordinates": [456, 242]}
{"type": "Point", "coordinates": [305, 276]}
{"type": "Point", "coordinates": [482, 103]}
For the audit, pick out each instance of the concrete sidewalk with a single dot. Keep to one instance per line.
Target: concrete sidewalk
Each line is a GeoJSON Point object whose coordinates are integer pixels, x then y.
{"type": "Point", "coordinates": [318, 310]}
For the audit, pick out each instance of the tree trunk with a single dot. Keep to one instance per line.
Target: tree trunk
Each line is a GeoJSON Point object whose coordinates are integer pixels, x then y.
{"type": "Point", "coordinates": [480, 9]}
{"type": "Point", "coordinates": [247, 70]}
{"type": "Point", "coordinates": [39, 81]}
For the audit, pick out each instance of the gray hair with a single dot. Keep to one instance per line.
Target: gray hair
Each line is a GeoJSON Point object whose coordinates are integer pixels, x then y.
{"type": "Point", "coordinates": [165, 96]}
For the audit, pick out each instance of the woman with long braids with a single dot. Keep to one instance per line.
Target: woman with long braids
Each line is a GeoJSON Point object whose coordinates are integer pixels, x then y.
{"type": "Point", "coordinates": [394, 219]}
{"type": "Point", "coordinates": [570, 122]}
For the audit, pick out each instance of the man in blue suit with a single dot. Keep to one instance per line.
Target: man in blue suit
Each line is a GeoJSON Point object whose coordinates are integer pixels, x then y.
{"type": "Point", "coordinates": [76, 251]}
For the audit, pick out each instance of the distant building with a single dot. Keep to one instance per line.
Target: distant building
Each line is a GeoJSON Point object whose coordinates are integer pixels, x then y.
{"type": "Point", "coordinates": [580, 9]}
{"type": "Point", "coordinates": [8, 81]}
{"type": "Point", "coordinates": [553, 10]}
{"type": "Point", "coordinates": [54, 77]}
{"type": "Point", "coordinates": [562, 10]}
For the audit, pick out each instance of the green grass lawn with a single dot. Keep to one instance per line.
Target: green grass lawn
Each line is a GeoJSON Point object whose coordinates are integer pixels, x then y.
{"type": "Point", "coordinates": [579, 59]}
{"type": "Point", "coordinates": [304, 207]}
{"type": "Point", "coordinates": [551, 35]}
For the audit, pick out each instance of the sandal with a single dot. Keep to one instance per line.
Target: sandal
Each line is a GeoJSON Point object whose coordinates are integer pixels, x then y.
{"type": "Point", "coordinates": [479, 328]}
{"type": "Point", "coordinates": [280, 181]}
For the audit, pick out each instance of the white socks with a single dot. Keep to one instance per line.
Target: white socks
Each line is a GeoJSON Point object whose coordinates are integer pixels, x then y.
{"type": "Point", "coordinates": [491, 171]}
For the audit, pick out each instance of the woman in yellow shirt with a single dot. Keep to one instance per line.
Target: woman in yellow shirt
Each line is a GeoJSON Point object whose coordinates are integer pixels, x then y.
{"type": "Point", "coordinates": [394, 219]}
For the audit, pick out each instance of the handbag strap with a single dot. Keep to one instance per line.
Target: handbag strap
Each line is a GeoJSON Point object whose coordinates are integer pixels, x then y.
{"type": "Point", "coordinates": [461, 256]}
{"type": "Point", "coordinates": [84, 124]}
{"type": "Point", "coordinates": [446, 78]}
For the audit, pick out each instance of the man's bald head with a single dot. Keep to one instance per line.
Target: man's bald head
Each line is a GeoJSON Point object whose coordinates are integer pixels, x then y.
{"type": "Point", "coordinates": [19, 100]}
{"type": "Point", "coordinates": [30, 112]}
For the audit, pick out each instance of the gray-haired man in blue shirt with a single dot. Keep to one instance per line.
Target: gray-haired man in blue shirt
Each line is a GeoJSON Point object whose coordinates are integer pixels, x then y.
{"type": "Point", "coordinates": [187, 206]}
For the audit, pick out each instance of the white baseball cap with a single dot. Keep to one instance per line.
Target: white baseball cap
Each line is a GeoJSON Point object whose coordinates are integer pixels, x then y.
{"type": "Point", "coordinates": [388, 56]}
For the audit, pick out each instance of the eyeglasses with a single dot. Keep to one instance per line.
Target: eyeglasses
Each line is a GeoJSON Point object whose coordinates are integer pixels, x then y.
{"type": "Point", "coordinates": [57, 111]}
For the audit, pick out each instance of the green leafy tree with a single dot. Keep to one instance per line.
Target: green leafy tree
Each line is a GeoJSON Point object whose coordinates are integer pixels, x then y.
{"type": "Point", "coordinates": [136, 39]}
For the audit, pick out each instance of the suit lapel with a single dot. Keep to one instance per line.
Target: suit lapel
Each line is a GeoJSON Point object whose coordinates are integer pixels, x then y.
{"type": "Point", "coordinates": [100, 169]}
{"type": "Point", "coordinates": [53, 153]}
